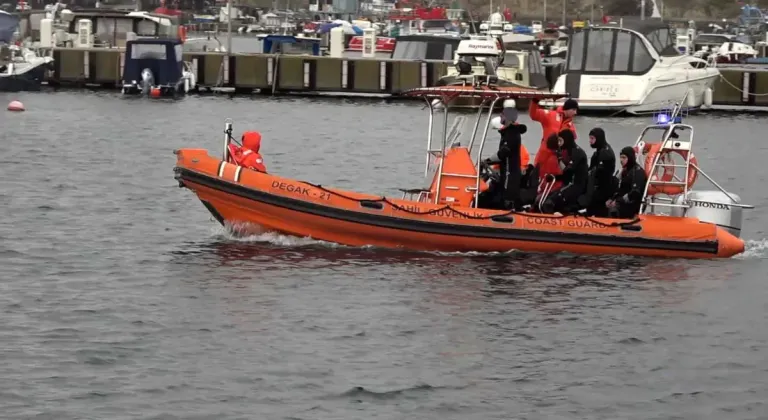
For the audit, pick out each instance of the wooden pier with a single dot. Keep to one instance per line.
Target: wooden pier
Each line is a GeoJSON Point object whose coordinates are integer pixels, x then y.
{"type": "Point", "coordinates": [246, 73]}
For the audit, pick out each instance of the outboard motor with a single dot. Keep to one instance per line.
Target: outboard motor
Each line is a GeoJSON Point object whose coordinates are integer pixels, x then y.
{"type": "Point", "coordinates": [712, 207]}
{"type": "Point", "coordinates": [147, 81]}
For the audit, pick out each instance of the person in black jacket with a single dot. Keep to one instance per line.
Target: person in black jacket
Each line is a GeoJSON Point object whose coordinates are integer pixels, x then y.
{"type": "Point", "coordinates": [601, 183]}
{"type": "Point", "coordinates": [505, 190]}
{"type": "Point", "coordinates": [573, 162]}
{"type": "Point", "coordinates": [627, 200]}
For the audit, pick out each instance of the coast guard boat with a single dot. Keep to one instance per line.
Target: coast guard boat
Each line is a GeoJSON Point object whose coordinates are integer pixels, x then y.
{"type": "Point", "coordinates": [444, 216]}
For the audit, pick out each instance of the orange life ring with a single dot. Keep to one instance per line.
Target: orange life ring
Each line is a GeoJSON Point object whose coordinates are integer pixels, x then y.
{"type": "Point", "coordinates": [651, 150]}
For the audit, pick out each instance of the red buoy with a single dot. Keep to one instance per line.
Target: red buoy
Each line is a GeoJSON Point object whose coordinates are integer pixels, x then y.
{"type": "Point", "coordinates": [155, 92]}
{"type": "Point", "coordinates": [16, 106]}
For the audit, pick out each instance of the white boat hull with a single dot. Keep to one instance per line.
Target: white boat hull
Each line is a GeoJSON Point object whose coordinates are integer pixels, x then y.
{"type": "Point", "coordinates": [642, 94]}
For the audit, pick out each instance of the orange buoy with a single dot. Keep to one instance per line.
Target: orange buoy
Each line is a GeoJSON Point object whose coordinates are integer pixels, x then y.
{"type": "Point", "coordinates": [155, 92]}
{"type": "Point", "coordinates": [16, 106]}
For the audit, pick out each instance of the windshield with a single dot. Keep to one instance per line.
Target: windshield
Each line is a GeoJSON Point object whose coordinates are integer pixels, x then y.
{"type": "Point", "coordinates": [604, 51]}
{"type": "Point", "coordinates": [423, 50]}
{"type": "Point", "coordinates": [480, 60]}
{"type": "Point", "coordinates": [294, 48]}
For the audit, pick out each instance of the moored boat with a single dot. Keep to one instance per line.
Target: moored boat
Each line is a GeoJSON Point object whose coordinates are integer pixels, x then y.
{"type": "Point", "coordinates": [445, 216]}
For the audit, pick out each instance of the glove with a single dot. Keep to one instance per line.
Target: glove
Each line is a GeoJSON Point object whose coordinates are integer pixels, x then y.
{"type": "Point", "coordinates": [550, 178]}
{"type": "Point", "coordinates": [504, 152]}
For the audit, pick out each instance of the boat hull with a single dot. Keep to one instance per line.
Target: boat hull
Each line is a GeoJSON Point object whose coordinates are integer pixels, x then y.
{"type": "Point", "coordinates": [29, 80]}
{"type": "Point", "coordinates": [242, 197]}
{"type": "Point", "coordinates": [634, 95]}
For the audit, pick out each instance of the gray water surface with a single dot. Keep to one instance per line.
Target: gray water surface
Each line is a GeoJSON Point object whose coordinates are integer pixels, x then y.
{"type": "Point", "coordinates": [121, 298]}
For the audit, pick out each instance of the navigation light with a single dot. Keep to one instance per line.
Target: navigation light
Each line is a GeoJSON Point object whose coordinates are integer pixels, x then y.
{"type": "Point", "coordinates": [662, 119]}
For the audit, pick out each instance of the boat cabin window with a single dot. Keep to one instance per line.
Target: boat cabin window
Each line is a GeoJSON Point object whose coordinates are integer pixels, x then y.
{"type": "Point", "coordinates": [292, 48]}
{"type": "Point", "coordinates": [608, 51]}
{"type": "Point", "coordinates": [179, 49]}
{"type": "Point", "coordinates": [712, 39]}
{"type": "Point", "coordinates": [511, 60]}
{"type": "Point", "coordinates": [479, 60]}
{"type": "Point", "coordinates": [434, 25]}
{"type": "Point", "coordinates": [424, 50]}
{"type": "Point", "coordinates": [534, 64]}
{"type": "Point", "coordinates": [146, 28]}
{"type": "Point", "coordinates": [662, 41]}
{"type": "Point", "coordinates": [148, 51]}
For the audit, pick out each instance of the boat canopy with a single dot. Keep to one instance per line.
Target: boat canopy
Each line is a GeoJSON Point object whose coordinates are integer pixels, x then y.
{"type": "Point", "coordinates": [630, 50]}
{"type": "Point", "coordinates": [8, 25]}
{"type": "Point", "coordinates": [162, 56]}
{"type": "Point", "coordinates": [426, 47]}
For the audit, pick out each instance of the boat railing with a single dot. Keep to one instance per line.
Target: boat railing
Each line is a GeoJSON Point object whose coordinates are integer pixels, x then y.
{"type": "Point", "coordinates": [672, 141]}
{"type": "Point", "coordinates": [441, 98]}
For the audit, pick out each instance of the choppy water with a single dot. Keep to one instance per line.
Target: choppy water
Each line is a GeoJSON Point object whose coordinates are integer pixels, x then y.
{"type": "Point", "coordinates": [121, 298]}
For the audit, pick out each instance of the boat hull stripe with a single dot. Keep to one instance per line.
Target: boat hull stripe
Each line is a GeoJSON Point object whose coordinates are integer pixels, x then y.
{"type": "Point", "coordinates": [237, 173]}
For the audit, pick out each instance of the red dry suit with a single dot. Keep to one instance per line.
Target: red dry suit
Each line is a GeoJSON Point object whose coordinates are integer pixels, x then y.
{"type": "Point", "coordinates": [552, 122]}
{"type": "Point", "coordinates": [548, 165]}
{"type": "Point", "coordinates": [248, 156]}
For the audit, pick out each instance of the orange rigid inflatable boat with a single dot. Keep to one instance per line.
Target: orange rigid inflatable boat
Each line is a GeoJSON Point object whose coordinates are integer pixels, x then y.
{"type": "Point", "coordinates": [442, 217]}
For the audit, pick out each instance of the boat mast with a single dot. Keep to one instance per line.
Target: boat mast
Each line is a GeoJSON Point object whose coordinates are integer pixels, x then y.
{"type": "Point", "coordinates": [642, 9]}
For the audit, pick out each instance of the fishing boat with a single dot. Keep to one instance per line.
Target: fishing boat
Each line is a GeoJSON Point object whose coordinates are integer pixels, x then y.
{"type": "Point", "coordinates": [444, 216]}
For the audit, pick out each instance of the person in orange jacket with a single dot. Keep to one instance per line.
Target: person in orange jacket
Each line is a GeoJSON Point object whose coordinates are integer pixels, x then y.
{"type": "Point", "coordinates": [553, 122]}
{"type": "Point", "coordinates": [249, 156]}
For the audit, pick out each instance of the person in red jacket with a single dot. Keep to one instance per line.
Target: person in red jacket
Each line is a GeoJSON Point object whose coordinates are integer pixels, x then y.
{"type": "Point", "coordinates": [249, 154]}
{"type": "Point", "coordinates": [553, 122]}
{"type": "Point", "coordinates": [549, 166]}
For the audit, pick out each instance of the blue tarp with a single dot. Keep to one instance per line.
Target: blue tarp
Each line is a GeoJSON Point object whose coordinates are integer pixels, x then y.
{"type": "Point", "coordinates": [8, 25]}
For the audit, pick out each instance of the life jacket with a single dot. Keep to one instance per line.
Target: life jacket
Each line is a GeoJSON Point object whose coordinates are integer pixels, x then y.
{"type": "Point", "coordinates": [525, 157]}
{"type": "Point", "coordinates": [552, 122]}
{"type": "Point", "coordinates": [248, 155]}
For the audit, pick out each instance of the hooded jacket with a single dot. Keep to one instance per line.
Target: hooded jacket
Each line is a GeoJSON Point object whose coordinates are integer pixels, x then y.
{"type": "Point", "coordinates": [573, 162]}
{"type": "Point", "coordinates": [509, 154]}
{"type": "Point", "coordinates": [632, 181]}
{"type": "Point", "coordinates": [602, 165]}
{"type": "Point", "coordinates": [250, 157]}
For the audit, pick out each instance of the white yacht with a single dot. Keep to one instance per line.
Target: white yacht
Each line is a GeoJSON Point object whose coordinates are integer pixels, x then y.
{"type": "Point", "coordinates": [634, 68]}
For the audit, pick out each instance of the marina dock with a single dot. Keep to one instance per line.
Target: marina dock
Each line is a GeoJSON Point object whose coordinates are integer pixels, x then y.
{"type": "Point", "coordinates": [246, 73]}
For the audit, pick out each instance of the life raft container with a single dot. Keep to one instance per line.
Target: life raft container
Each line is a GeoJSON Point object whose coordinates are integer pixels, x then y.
{"type": "Point", "coordinates": [665, 171]}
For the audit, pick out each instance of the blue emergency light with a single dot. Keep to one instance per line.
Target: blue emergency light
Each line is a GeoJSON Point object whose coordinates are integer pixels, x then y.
{"type": "Point", "coordinates": [663, 119]}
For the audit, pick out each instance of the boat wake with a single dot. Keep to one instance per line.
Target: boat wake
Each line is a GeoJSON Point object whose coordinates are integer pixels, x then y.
{"type": "Point", "coordinates": [754, 249]}
{"type": "Point", "coordinates": [255, 234]}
